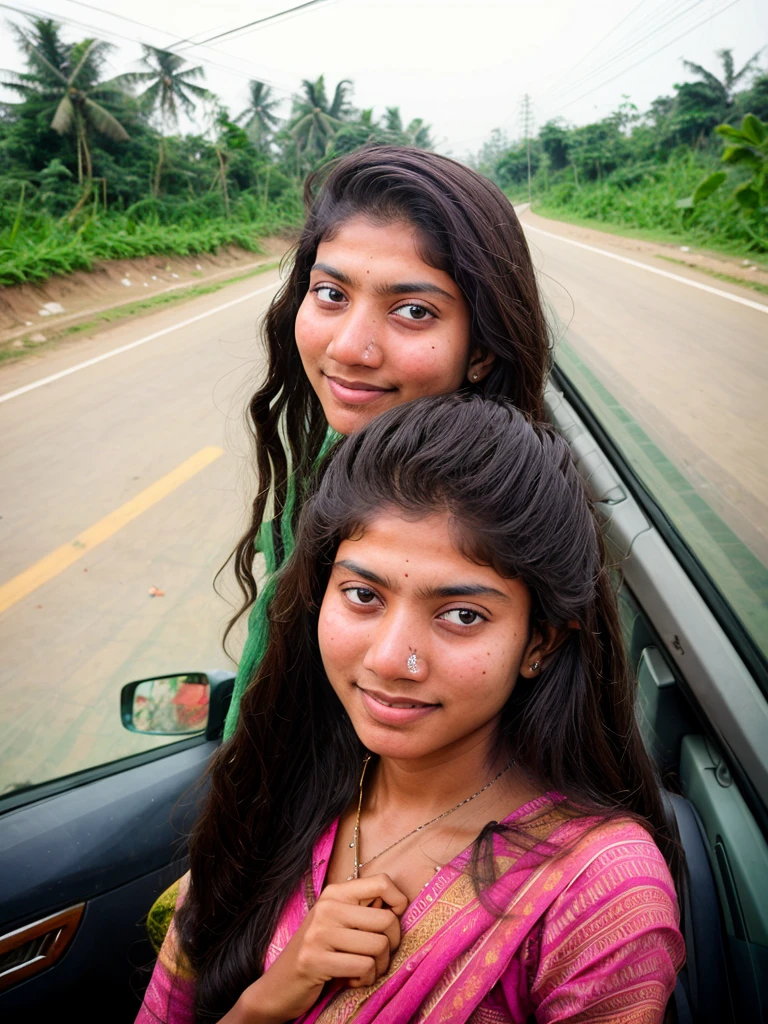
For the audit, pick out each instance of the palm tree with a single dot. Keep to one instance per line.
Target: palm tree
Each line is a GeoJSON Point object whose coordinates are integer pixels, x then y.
{"type": "Point", "coordinates": [417, 134]}
{"type": "Point", "coordinates": [315, 121]}
{"type": "Point", "coordinates": [171, 89]}
{"type": "Point", "coordinates": [68, 76]}
{"type": "Point", "coordinates": [707, 101]}
{"type": "Point", "coordinates": [722, 90]}
{"type": "Point", "coordinates": [392, 120]}
{"type": "Point", "coordinates": [258, 118]}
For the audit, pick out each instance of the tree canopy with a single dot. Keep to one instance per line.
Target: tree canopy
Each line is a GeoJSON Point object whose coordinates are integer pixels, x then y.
{"type": "Point", "coordinates": [72, 126]}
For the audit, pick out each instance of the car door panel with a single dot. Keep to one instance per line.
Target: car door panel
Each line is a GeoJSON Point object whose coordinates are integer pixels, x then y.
{"type": "Point", "coordinates": [693, 640]}
{"type": "Point", "coordinates": [103, 974]}
{"type": "Point", "coordinates": [114, 843]}
{"type": "Point", "coordinates": [702, 714]}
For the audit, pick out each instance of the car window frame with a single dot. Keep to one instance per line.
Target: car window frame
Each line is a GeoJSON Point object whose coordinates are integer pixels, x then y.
{"type": "Point", "coordinates": [45, 790]}
{"type": "Point", "coordinates": [626, 512]}
{"type": "Point", "coordinates": [727, 618]}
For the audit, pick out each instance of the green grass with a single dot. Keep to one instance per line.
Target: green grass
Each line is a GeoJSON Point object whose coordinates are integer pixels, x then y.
{"type": "Point", "coordinates": [43, 246]}
{"type": "Point", "coordinates": [8, 353]}
{"type": "Point", "coordinates": [640, 201]}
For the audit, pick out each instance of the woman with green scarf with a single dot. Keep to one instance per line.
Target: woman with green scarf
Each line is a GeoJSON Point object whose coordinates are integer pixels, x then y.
{"type": "Point", "coordinates": [412, 277]}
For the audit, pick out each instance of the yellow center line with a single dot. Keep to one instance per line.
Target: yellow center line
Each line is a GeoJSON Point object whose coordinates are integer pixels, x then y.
{"type": "Point", "coordinates": [60, 559]}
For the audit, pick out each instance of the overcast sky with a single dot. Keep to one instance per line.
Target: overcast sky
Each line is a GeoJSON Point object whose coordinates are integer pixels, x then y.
{"type": "Point", "coordinates": [462, 66]}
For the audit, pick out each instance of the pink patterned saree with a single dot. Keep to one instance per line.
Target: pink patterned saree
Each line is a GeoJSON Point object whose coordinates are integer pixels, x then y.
{"type": "Point", "coordinates": [590, 935]}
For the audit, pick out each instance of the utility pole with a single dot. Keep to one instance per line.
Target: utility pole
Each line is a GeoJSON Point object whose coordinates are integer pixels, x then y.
{"type": "Point", "coordinates": [526, 117]}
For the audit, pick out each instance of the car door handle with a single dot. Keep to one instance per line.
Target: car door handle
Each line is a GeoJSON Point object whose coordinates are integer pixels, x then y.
{"type": "Point", "coordinates": [36, 946]}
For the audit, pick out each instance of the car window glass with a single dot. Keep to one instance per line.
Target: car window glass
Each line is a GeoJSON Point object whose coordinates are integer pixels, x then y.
{"type": "Point", "coordinates": [709, 481]}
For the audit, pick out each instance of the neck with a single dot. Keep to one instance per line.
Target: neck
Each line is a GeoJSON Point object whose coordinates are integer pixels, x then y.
{"type": "Point", "coordinates": [436, 781]}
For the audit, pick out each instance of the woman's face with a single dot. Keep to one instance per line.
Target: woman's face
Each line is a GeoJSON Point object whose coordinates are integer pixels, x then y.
{"type": "Point", "coordinates": [402, 590]}
{"type": "Point", "coordinates": [379, 326]}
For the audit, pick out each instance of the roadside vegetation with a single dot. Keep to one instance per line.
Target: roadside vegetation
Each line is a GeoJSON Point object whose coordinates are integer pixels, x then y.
{"type": "Point", "coordinates": [693, 167]}
{"type": "Point", "coordinates": [95, 168]}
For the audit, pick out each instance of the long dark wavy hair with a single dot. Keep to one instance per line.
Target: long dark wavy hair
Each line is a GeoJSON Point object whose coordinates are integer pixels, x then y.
{"type": "Point", "coordinates": [466, 227]}
{"type": "Point", "coordinates": [517, 503]}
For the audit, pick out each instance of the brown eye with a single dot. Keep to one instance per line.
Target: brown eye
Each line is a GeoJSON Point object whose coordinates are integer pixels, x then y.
{"type": "Point", "coordinates": [328, 294]}
{"type": "Point", "coordinates": [360, 595]}
{"type": "Point", "coordinates": [412, 311]}
{"type": "Point", "coordinates": [463, 617]}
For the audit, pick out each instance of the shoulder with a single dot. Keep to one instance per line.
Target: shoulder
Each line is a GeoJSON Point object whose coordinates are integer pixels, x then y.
{"type": "Point", "coordinates": [616, 869]}
{"type": "Point", "coordinates": [617, 849]}
{"type": "Point", "coordinates": [613, 934]}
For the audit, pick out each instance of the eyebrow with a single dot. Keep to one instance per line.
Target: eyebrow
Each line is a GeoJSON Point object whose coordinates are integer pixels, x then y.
{"type": "Point", "coordinates": [366, 574]}
{"type": "Point", "coordinates": [338, 274]}
{"type": "Point", "coordinates": [407, 287]}
{"type": "Point", "coordinates": [463, 590]}
{"type": "Point", "coordinates": [401, 288]}
{"type": "Point", "coordinates": [452, 590]}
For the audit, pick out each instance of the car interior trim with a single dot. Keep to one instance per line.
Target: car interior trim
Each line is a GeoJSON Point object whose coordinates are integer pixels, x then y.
{"type": "Point", "coordinates": [34, 947]}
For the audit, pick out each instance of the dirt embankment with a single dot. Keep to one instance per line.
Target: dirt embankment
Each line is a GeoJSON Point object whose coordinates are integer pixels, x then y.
{"type": "Point", "coordinates": [35, 312]}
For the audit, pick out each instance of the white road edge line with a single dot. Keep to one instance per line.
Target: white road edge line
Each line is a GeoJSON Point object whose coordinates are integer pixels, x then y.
{"type": "Point", "coordinates": [134, 344]}
{"type": "Point", "coordinates": [653, 270]}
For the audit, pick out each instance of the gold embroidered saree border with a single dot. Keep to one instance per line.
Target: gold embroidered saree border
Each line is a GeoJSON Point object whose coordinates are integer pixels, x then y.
{"type": "Point", "coordinates": [457, 896]}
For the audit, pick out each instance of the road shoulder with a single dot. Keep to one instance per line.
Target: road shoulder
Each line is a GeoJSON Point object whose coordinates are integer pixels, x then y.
{"type": "Point", "coordinates": [35, 318]}
{"type": "Point", "coordinates": [694, 264]}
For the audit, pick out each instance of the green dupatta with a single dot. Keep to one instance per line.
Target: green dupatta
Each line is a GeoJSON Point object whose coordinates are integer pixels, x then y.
{"type": "Point", "coordinates": [258, 628]}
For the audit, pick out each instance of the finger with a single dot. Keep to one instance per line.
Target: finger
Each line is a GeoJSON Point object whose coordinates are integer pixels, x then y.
{"type": "Point", "coordinates": [352, 967]}
{"type": "Point", "coordinates": [369, 919]}
{"type": "Point", "coordinates": [373, 944]}
{"type": "Point", "coordinates": [365, 890]}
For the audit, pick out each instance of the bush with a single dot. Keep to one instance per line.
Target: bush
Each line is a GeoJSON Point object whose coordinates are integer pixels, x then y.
{"type": "Point", "coordinates": [36, 245]}
{"type": "Point", "coordinates": [646, 196]}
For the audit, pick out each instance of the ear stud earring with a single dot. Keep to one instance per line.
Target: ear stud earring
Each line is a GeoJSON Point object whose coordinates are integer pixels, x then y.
{"type": "Point", "coordinates": [535, 667]}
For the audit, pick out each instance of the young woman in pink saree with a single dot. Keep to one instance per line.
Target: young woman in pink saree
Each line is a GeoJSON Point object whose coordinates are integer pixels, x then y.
{"type": "Point", "coordinates": [436, 806]}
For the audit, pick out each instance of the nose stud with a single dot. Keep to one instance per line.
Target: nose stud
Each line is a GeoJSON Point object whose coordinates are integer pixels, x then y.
{"type": "Point", "coordinates": [369, 347]}
{"type": "Point", "coordinates": [413, 663]}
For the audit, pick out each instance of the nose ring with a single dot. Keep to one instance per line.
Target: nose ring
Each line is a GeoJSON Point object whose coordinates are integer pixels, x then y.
{"type": "Point", "coordinates": [413, 664]}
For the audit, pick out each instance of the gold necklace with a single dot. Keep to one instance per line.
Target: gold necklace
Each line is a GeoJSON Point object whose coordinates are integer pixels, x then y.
{"type": "Point", "coordinates": [355, 844]}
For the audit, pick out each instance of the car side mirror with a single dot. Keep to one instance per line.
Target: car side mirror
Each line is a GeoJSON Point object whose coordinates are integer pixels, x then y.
{"type": "Point", "coordinates": [187, 704]}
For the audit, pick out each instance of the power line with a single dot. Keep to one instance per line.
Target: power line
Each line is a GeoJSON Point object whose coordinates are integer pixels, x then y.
{"type": "Point", "coordinates": [112, 34]}
{"type": "Point", "coordinates": [633, 46]}
{"type": "Point", "coordinates": [178, 40]}
{"type": "Point", "coordinates": [666, 45]}
{"type": "Point", "coordinates": [704, 21]}
{"type": "Point", "coordinates": [252, 24]}
{"type": "Point", "coordinates": [599, 43]}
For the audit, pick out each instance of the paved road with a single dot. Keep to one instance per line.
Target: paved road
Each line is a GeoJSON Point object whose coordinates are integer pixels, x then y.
{"type": "Point", "coordinates": [133, 472]}
{"type": "Point", "coordinates": [678, 372]}
{"type": "Point", "coordinates": [690, 366]}
{"type": "Point", "coordinates": [72, 453]}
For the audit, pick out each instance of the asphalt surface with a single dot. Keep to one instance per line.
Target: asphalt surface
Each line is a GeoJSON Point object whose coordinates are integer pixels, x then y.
{"type": "Point", "coordinates": [133, 473]}
{"type": "Point", "coordinates": [74, 452]}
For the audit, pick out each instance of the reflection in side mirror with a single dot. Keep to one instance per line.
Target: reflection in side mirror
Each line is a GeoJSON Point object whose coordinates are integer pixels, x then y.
{"type": "Point", "coordinates": [167, 706]}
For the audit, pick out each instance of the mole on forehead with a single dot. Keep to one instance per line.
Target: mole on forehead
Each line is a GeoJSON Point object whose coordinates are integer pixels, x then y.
{"type": "Point", "coordinates": [399, 288]}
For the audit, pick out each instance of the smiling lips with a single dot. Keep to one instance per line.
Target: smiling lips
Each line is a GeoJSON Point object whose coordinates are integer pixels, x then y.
{"type": "Point", "coordinates": [355, 392]}
{"type": "Point", "coordinates": [392, 710]}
